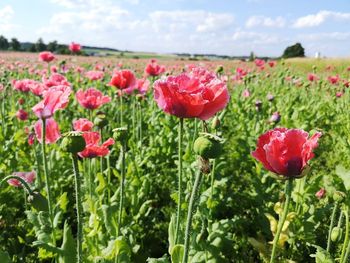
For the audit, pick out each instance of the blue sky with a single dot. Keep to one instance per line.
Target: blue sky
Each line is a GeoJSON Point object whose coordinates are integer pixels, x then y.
{"type": "Point", "coordinates": [197, 26]}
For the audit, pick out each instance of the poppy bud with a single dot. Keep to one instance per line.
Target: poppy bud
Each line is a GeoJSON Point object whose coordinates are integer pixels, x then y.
{"type": "Point", "coordinates": [215, 124]}
{"type": "Point", "coordinates": [336, 234]}
{"type": "Point", "coordinates": [207, 146]}
{"type": "Point", "coordinates": [219, 70]}
{"type": "Point", "coordinates": [339, 196]}
{"type": "Point", "coordinates": [100, 120]}
{"type": "Point", "coordinates": [258, 104]}
{"type": "Point", "coordinates": [73, 142]}
{"type": "Point", "coordinates": [38, 201]}
{"type": "Point", "coordinates": [120, 134]}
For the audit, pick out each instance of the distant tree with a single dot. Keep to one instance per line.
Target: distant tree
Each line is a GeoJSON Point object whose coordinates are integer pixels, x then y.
{"type": "Point", "coordinates": [252, 56]}
{"type": "Point", "coordinates": [40, 45]}
{"type": "Point", "coordinates": [32, 48]}
{"type": "Point", "coordinates": [52, 46]}
{"type": "Point", "coordinates": [4, 44]}
{"type": "Point", "coordinates": [62, 49]}
{"type": "Point", "coordinates": [293, 51]}
{"type": "Point", "coordinates": [15, 45]}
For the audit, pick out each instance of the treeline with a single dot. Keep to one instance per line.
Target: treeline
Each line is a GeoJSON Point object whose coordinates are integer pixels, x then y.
{"type": "Point", "coordinates": [38, 46]}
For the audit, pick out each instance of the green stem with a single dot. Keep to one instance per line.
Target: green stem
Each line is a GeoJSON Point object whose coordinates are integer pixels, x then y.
{"type": "Point", "coordinates": [47, 178]}
{"type": "Point", "coordinates": [212, 180]}
{"type": "Point", "coordinates": [38, 181]}
{"type": "Point", "coordinates": [331, 226]}
{"type": "Point", "coordinates": [122, 181]}
{"type": "Point", "coordinates": [121, 108]}
{"type": "Point", "coordinates": [79, 208]}
{"type": "Point", "coordinates": [190, 213]}
{"type": "Point", "coordinates": [343, 256]}
{"type": "Point", "coordinates": [23, 182]}
{"type": "Point", "coordinates": [109, 175]}
{"type": "Point", "coordinates": [288, 193]}
{"type": "Point", "coordinates": [179, 197]}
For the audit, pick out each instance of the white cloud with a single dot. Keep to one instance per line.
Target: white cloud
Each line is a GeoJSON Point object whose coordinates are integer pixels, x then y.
{"type": "Point", "coordinates": [256, 37]}
{"type": "Point", "coordinates": [200, 21]}
{"type": "Point", "coordinates": [255, 21]}
{"type": "Point", "coordinates": [87, 3]}
{"type": "Point", "coordinates": [319, 18]}
{"type": "Point", "coordinates": [6, 15]}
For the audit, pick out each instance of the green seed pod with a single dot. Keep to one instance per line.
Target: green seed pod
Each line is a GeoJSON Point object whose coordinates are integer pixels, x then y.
{"type": "Point", "coordinates": [38, 201]}
{"type": "Point", "coordinates": [73, 142]}
{"type": "Point", "coordinates": [336, 234]}
{"type": "Point", "coordinates": [208, 147]}
{"type": "Point", "coordinates": [339, 196]}
{"type": "Point", "coordinates": [100, 120]}
{"type": "Point", "coordinates": [120, 134]}
{"type": "Point", "coordinates": [219, 70]}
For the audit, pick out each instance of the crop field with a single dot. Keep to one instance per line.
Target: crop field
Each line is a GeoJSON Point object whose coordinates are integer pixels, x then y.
{"type": "Point", "coordinates": [107, 159]}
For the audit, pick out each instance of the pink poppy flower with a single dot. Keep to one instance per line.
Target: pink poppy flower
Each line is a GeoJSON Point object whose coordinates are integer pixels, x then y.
{"type": "Point", "coordinates": [246, 93]}
{"type": "Point", "coordinates": [94, 75]}
{"type": "Point", "coordinates": [55, 79]}
{"type": "Point", "coordinates": [143, 85]}
{"type": "Point", "coordinates": [82, 125]}
{"type": "Point", "coordinates": [333, 79]}
{"type": "Point", "coordinates": [52, 131]}
{"type": "Point", "coordinates": [92, 148]}
{"type": "Point", "coordinates": [123, 79]}
{"type": "Point", "coordinates": [74, 47]}
{"type": "Point", "coordinates": [28, 177]}
{"type": "Point", "coordinates": [46, 56]}
{"type": "Point", "coordinates": [259, 63]}
{"type": "Point", "coordinates": [197, 94]}
{"type": "Point", "coordinates": [54, 99]}
{"type": "Point", "coordinates": [22, 85]}
{"type": "Point", "coordinates": [31, 138]}
{"type": "Point", "coordinates": [320, 193]}
{"type": "Point", "coordinates": [286, 151]}
{"type": "Point", "coordinates": [312, 77]}
{"type": "Point", "coordinates": [91, 98]}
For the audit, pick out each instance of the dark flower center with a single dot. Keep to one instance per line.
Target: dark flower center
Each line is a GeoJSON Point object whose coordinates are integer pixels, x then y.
{"type": "Point", "coordinates": [294, 166]}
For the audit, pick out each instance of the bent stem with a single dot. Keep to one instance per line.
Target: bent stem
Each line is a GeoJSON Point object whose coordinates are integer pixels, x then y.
{"type": "Point", "coordinates": [345, 249]}
{"type": "Point", "coordinates": [23, 182]}
{"type": "Point", "coordinates": [179, 197]}
{"type": "Point", "coordinates": [47, 178]}
{"type": "Point", "coordinates": [190, 213]}
{"type": "Point", "coordinates": [288, 193]}
{"type": "Point", "coordinates": [331, 226]}
{"type": "Point", "coordinates": [79, 208]}
{"type": "Point", "coordinates": [122, 181]}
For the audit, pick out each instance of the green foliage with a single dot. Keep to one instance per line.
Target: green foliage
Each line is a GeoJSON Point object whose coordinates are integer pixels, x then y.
{"type": "Point", "coordinates": [293, 51]}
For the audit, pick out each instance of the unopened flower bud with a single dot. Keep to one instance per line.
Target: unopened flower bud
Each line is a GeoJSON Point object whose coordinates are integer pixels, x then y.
{"type": "Point", "coordinates": [101, 120]}
{"type": "Point", "coordinates": [38, 201]}
{"type": "Point", "coordinates": [258, 104]}
{"type": "Point", "coordinates": [207, 146]}
{"type": "Point", "coordinates": [120, 134]}
{"type": "Point", "coordinates": [215, 124]}
{"type": "Point", "coordinates": [275, 117]}
{"type": "Point", "coordinates": [339, 196]}
{"type": "Point", "coordinates": [73, 142]}
{"type": "Point", "coordinates": [336, 234]}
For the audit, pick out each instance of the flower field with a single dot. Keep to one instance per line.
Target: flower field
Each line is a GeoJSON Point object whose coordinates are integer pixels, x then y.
{"type": "Point", "coordinates": [137, 160]}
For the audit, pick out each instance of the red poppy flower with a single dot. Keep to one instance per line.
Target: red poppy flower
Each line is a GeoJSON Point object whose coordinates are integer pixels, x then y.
{"type": "Point", "coordinates": [82, 125]}
{"type": "Point", "coordinates": [153, 69]}
{"type": "Point", "coordinates": [123, 79]}
{"type": "Point", "coordinates": [286, 151]}
{"type": "Point", "coordinates": [91, 98]}
{"type": "Point", "coordinates": [197, 94]}
{"type": "Point", "coordinates": [92, 148]}
{"type": "Point", "coordinates": [46, 56]}
{"type": "Point", "coordinates": [74, 47]}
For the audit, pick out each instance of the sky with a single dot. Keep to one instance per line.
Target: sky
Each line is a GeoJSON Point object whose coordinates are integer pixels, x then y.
{"type": "Point", "coordinates": [225, 27]}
